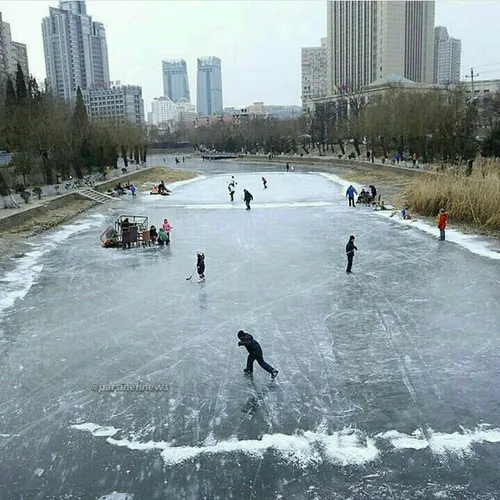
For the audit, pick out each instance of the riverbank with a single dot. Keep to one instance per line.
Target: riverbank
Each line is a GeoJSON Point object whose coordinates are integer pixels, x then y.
{"type": "Point", "coordinates": [56, 211]}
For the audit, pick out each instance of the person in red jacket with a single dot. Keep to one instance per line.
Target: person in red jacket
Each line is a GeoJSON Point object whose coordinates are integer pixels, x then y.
{"type": "Point", "coordinates": [442, 220]}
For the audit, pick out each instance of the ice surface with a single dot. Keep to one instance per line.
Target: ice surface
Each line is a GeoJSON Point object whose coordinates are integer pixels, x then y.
{"type": "Point", "coordinates": [385, 376]}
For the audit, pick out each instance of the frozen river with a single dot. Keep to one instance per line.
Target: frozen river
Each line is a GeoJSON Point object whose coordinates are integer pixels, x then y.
{"type": "Point", "coordinates": [388, 379]}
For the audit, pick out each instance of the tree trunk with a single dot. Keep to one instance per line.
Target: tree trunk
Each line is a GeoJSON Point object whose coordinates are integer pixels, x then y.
{"type": "Point", "coordinates": [356, 147]}
{"type": "Point", "coordinates": [144, 153]}
{"type": "Point", "coordinates": [341, 146]}
{"type": "Point", "coordinates": [124, 156]}
{"type": "Point", "coordinates": [136, 154]}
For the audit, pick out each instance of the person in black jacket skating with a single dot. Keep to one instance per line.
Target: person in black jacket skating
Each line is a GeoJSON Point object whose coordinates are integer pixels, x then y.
{"type": "Point", "coordinates": [247, 197]}
{"type": "Point", "coordinates": [254, 354]}
{"type": "Point", "coordinates": [349, 250]}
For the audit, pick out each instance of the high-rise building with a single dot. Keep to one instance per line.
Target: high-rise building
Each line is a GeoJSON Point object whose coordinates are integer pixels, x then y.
{"type": "Point", "coordinates": [11, 53]}
{"type": "Point", "coordinates": [76, 53]}
{"type": "Point", "coordinates": [115, 103]}
{"type": "Point", "coordinates": [314, 72]}
{"type": "Point", "coordinates": [3, 51]}
{"type": "Point", "coordinates": [366, 41]}
{"type": "Point", "coordinates": [447, 54]}
{"type": "Point", "coordinates": [175, 80]}
{"type": "Point", "coordinates": [209, 86]}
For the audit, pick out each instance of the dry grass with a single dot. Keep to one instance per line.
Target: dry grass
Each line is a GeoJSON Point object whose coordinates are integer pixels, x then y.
{"type": "Point", "coordinates": [157, 174]}
{"type": "Point", "coordinates": [380, 177]}
{"type": "Point", "coordinates": [472, 200]}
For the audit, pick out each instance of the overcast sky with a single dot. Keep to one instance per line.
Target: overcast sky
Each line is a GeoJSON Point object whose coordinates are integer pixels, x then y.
{"type": "Point", "coordinates": [258, 41]}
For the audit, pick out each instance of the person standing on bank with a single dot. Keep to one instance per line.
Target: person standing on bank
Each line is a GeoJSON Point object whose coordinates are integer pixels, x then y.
{"type": "Point", "coordinates": [247, 198]}
{"type": "Point", "coordinates": [254, 354]}
{"type": "Point", "coordinates": [350, 194]}
{"type": "Point", "coordinates": [442, 221]}
{"type": "Point", "coordinates": [349, 250]}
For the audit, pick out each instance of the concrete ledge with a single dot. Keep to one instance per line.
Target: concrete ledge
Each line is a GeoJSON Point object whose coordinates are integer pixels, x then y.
{"type": "Point", "coordinates": [21, 215]}
{"type": "Point", "coordinates": [332, 162]}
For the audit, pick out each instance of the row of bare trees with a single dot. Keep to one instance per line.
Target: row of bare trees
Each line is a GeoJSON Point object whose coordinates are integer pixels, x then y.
{"type": "Point", "coordinates": [48, 136]}
{"type": "Point", "coordinates": [438, 125]}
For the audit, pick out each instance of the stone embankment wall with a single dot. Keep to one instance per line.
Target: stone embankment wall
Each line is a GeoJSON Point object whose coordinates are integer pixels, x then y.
{"type": "Point", "coordinates": [17, 218]}
{"type": "Point", "coordinates": [333, 162]}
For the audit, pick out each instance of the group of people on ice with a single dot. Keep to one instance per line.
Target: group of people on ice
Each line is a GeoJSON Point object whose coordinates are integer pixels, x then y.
{"type": "Point", "coordinates": [247, 196]}
{"type": "Point", "coordinates": [161, 236]}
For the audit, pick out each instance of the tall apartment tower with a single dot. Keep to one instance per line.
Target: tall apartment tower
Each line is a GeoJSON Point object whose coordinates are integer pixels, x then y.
{"type": "Point", "coordinates": [367, 41]}
{"type": "Point", "coordinates": [209, 86]}
{"type": "Point", "coordinates": [447, 55]}
{"type": "Point", "coordinates": [76, 53]}
{"type": "Point", "coordinates": [314, 72]}
{"type": "Point", "coordinates": [175, 80]}
{"type": "Point", "coordinates": [11, 53]}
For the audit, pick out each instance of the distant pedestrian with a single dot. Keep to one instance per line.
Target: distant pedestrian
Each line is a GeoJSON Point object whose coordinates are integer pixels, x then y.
{"type": "Point", "coordinates": [200, 266]}
{"type": "Point", "coordinates": [264, 182]}
{"type": "Point", "coordinates": [287, 167]}
{"type": "Point", "coordinates": [132, 190]}
{"type": "Point", "coordinates": [247, 198]}
{"type": "Point", "coordinates": [351, 191]}
{"type": "Point", "coordinates": [442, 222]}
{"type": "Point", "coordinates": [254, 354]}
{"type": "Point", "coordinates": [414, 158]}
{"type": "Point", "coordinates": [349, 250]}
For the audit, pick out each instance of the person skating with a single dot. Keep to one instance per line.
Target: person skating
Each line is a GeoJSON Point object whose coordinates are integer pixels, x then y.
{"type": "Point", "coordinates": [231, 191]}
{"type": "Point", "coordinates": [247, 198]}
{"type": "Point", "coordinates": [351, 191]}
{"type": "Point", "coordinates": [349, 250]}
{"type": "Point", "coordinates": [264, 182]}
{"type": "Point", "coordinates": [254, 354]}
{"type": "Point", "coordinates": [442, 221]}
{"type": "Point", "coordinates": [200, 266]}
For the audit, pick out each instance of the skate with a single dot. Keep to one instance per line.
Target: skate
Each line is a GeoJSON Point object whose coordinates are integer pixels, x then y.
{"type": "Point", "coordinates": [274, 374]}
{"type": "Point", "coordinates": [247, 372]}
{"type": "Point", "coordinates": [201, 280]}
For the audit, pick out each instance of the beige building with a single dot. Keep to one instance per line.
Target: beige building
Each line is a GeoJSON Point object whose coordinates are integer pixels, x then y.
{"type": "Point", "coordinates": [447, 56]}
{"type": "Point", "coordinates": [3, 66]}
{"type": "Point", "coordinates": [368, 40]}
{"type": "Point", "coordinates": [11, 53]}
{"type": "Point", "coordinates": [314, 71]}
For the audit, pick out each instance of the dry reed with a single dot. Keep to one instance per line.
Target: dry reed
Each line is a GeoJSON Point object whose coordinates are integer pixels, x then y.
{"type": "Point", "coordinates": [471, 199]}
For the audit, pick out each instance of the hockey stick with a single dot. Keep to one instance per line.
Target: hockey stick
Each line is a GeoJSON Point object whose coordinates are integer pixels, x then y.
{"type": "Point", "coordinates": [191, 274]}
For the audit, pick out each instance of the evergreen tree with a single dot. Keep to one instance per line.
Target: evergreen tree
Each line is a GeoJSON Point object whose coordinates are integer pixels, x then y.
{"type": "Point", "coordinates": [21, 90]}
{"type": "Point", "coordinates": [81, 143]}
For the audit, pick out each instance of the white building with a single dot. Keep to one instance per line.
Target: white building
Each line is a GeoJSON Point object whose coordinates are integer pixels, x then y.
{"type": "Point", "coordinates": [165, 113]}
{"type": "Point", "coordinates": [76, 53]}
{"type": "Point", "coordinates": [482, 88]}
{"type": "Point", "coordinates": [368, 40]}
{"type": "Point", "coordinates": [447, 55]}
{"type": "Point", "coordinates": [11, 53]}
{"type": "Point", "coordinates": [314, 71]}
{"type": "Point", "coordinates": [168, 114]}
{"type": "Point", "coordinates": [116, 103]}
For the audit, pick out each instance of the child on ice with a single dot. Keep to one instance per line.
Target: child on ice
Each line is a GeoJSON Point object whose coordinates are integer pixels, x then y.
{"type": "Point", "coordinates": [200, 265]}
{"type": "Point", "coordinates": [254, 354]}
{"type": "Point", "coordinates": [167, 228]}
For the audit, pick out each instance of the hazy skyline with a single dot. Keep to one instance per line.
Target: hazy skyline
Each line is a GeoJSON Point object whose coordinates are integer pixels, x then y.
{"type": "Point", "coordinates": [259, 42]}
